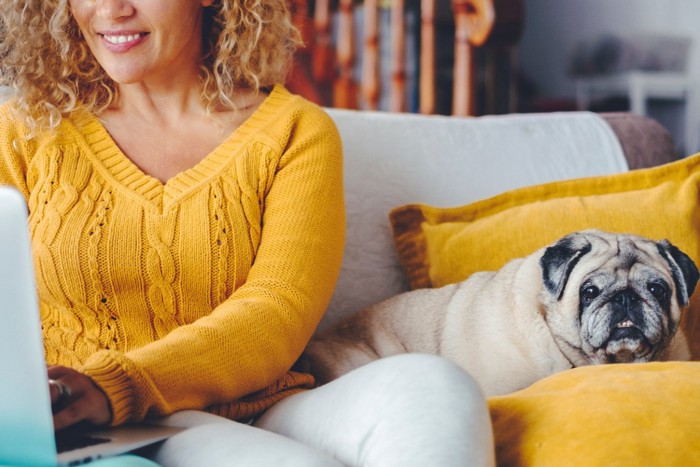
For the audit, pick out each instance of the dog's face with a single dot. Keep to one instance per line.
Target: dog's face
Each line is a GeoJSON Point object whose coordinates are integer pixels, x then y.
{"type": "Point", "coordinates": [614, 298]}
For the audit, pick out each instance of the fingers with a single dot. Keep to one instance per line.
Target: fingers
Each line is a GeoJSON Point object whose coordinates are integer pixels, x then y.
{"type": "Point", "coordinates": [60, 394]}
{"type": "Point", "coordinates": [59, 390]}
{"type": "Point", "coordinates": [76, 398]}
{"type": "Point", "coordinates": [82, 409]}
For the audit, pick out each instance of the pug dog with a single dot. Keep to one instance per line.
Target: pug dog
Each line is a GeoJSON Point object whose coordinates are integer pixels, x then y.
{"type": "Point", "coordinates": [592, 297]}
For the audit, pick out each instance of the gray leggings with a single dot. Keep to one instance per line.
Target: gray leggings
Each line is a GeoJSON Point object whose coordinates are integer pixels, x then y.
{"type": "Point", "coordinates": [407, 410]}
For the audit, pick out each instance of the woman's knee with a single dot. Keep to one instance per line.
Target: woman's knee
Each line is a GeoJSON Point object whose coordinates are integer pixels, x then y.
{"type": "Point", "coordinates": [406, 410]}
{"type": "Point", "coordinates": [427, 380]}
{"type": "Point", "coordinates": [425, 407]}
{"type": "Point", "coordinates": [422, 374]}
{"type": "Point", "coordinates": [234, 444]}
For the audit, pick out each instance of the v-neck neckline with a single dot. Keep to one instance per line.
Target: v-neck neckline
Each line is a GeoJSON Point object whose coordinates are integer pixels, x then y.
{"type": "Point", "coordinates": [114, 164]}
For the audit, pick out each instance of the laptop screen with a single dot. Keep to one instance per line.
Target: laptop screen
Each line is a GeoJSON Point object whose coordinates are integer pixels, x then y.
{"type": "Point", "coordinates": [26, 424]}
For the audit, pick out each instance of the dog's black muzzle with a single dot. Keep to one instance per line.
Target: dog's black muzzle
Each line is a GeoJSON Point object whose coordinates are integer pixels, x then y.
{"type": "Point", "coordinates": [627, 320]}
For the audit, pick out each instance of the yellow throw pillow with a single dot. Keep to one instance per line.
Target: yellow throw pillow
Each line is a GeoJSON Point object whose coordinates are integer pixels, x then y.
{"type": "Point", "coordinates": [439, 246]}
{"type": "Point", "coordinates": [604, 415]}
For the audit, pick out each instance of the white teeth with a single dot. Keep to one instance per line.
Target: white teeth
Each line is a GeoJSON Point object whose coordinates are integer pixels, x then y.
{"type": "Point", "coordinates": [121, 39]}
{"type": "Point", "coordinates": [625, 324]}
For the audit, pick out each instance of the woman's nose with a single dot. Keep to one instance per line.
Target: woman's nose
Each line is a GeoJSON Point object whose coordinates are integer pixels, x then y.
{"type": "Point", "coordinates": [114, 9]}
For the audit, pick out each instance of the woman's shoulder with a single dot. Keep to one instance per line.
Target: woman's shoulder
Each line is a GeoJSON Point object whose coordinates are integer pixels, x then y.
{"type": "Point", "coordinates": [13, 124]}
{"type": "Point", "coordinates": [287, 122]}
{"type": "Point", "coordinates": [287, 118]}
{"type": "Point", "coordinates": [298, 108]}
{"type": "Point", "coordinates": [9, 110]}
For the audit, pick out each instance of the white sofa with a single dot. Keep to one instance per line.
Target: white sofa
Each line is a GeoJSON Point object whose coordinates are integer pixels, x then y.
{"type": "Point", "coordinates": [598, 415]}
{"type": "Point", "coordinates": [397, 159]}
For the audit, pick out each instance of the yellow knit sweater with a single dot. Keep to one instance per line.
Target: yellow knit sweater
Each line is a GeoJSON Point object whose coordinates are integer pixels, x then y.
{"type": "Point", "coordinates": [197, 293]}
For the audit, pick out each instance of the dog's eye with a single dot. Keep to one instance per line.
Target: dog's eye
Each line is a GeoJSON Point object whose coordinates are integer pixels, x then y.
{"type": "Point", "coordinates": [589, 293]}
{"type": "Point", "coordinates": [657, 290]}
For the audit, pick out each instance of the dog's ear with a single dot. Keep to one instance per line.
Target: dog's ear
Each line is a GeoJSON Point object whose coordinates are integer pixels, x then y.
{"type": "Point", "coordinates": [685, 273]}
{"type": "Point", "coordinates": [559, 260]}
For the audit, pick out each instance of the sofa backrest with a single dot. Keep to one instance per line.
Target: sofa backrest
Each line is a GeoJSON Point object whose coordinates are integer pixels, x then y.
{"type": "Point", "coordinates": [396, 159]}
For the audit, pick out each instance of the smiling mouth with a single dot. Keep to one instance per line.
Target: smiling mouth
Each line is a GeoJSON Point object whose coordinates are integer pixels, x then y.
{"type": "Point", "coordinates": [118, 39]}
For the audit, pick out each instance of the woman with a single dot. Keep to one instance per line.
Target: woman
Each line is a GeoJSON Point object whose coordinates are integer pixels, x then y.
{"type": "Point", "coordinates": [187, 224]}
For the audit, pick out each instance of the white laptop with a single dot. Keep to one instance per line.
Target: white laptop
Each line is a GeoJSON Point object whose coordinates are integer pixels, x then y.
{"type": "Point", "coordinates": [26, 425]}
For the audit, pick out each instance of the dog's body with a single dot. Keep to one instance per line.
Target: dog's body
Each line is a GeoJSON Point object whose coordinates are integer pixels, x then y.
{"type": "Point", "coordinates": [534, 317]}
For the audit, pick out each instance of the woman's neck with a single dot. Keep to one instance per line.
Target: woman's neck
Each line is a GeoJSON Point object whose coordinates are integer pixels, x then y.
{"type": "Point", "coordinates": [162, 104]}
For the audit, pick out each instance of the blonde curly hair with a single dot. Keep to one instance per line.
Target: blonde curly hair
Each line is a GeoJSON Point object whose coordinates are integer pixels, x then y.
{"type": "Point", "coordinates": [248, 44]}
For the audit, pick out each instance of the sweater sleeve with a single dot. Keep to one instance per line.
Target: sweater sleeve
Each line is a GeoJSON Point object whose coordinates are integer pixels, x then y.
{"type": "Point", "coordinates": [254, 337]}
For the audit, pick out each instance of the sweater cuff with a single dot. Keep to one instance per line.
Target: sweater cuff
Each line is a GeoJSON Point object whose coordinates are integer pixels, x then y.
{"type": "Point", "coordinates": [108, 370]}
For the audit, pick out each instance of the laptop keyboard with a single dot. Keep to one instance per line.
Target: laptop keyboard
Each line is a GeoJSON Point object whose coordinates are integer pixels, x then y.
{"type": "Point", "coordinates": [67, 440]}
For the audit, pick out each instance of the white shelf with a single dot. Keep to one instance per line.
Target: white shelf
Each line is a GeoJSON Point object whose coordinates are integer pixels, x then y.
{"type": "Point", "coordinates": [639, 87]}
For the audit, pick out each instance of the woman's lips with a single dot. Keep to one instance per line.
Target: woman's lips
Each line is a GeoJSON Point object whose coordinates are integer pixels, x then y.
{"type": "Point", "coordinates": [120, 42]}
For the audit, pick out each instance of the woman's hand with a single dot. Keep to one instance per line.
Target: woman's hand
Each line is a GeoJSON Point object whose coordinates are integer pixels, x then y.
{"type": "Point", "coordinates": [76, 398]}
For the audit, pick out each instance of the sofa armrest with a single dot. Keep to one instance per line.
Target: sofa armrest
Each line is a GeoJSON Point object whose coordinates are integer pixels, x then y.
{"type": "Point", "coordinates": [644, 141]}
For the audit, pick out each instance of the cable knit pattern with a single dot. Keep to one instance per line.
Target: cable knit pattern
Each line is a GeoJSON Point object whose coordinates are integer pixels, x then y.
{"type": "Point", "coordinates": [221, 242]}
{"type": "Point", "coordinates": [160, 271]}
{"type": "Point", "coordinates": [197, 293]}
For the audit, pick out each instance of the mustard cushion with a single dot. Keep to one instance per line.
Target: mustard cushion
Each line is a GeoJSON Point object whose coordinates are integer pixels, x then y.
{"type": "Point", "coordinates": [439, 246]}
{"type": "Point", "coordinates": [607, 415]}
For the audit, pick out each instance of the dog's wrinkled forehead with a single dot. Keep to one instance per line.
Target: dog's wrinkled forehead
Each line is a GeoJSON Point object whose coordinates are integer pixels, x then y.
{"type": "Point", "coordinates": [599, 248]}
{"type": "Point", "coordinates": [627, 253]}
{"type": "Point", "coordinates": [624, 251]}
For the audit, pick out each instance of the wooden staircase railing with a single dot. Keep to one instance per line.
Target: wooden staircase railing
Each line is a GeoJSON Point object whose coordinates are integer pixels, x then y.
{"type": "Point", "coordinates": [332, 64]}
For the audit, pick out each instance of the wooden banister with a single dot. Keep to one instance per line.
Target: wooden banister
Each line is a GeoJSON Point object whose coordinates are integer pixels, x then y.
{"type": "Point", "coordinates": [397, 91]}
{"type": "Point", "coordinates": [369, 80]}
{"type": "Point", "coordinates": [300, 78]}
{"type": "Point", "coordinates": [322, 52]}
{"type": "Point", "coordinates": [474, 22]}
{"type": "Point", "coordinates": [426, 81]}
{"type": "Point", "coordinates": [344, 88]}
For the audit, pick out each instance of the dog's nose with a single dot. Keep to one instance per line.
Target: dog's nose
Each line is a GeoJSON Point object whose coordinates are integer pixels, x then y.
{"type": "Point", "coordinates": [626, 298]}
{"type": "Point", "coordinates": [626, 305]}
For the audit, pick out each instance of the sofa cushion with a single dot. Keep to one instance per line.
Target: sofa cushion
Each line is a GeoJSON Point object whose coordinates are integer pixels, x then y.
{"type": "Point", "coordinates": [438, 246]}
{"type": "Point", "coordinates": [635, 414]}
